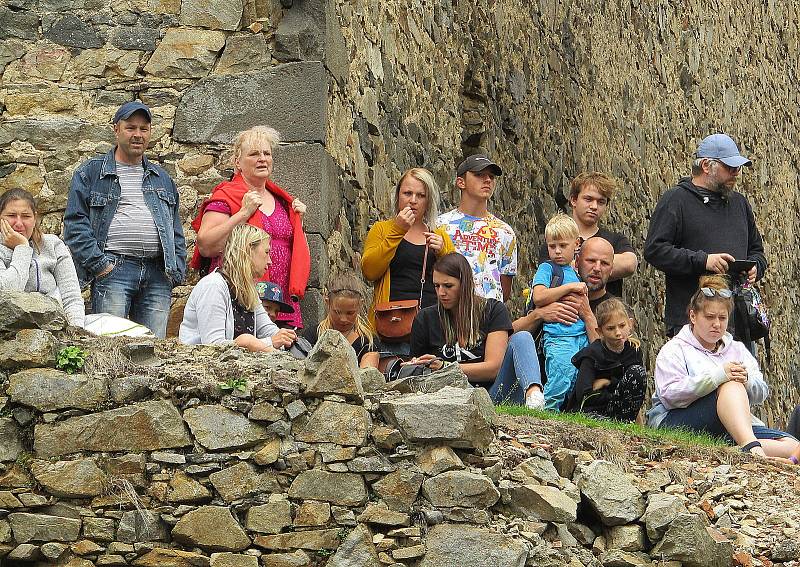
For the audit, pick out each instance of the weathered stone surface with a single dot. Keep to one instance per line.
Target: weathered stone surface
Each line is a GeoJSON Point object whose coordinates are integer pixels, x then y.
{"type": "Point", "coordinates": [546, 503]}
{"type": "Point", "coordinates": [70, 31]}
{"type": "Point", "coordinates": [610, 493]}
{"type": "Point", "coordinates": [399, 489]}
{"type": "Point", "coordinates": [686, 540]}
{"type": "Point", "coordinates": [297, 559]}
{"type": "Point", "coordinates": [372, 461]}
{"type": "Point", "coordinates": [233, 560]}
{"type": "Point", "coordinates": [454, 545]}
{"type": "Point", "coordinates": [332, 422]}
{"type": "Point", "coordinates": [344, 489]}
{"type": "Point", "coordinates": [24, 552]}
{"type": "Point", "coordinates": [256, 97]}
{"type": "Point", "coordinates": [18, 23]}
{"type": "Point", "coordinates": [48, 389]}
{"type": "Point", "coordinates": [311, 513]}
{"type": "Point", "coordinates": [10, 439]}
{"type": "Point", "coordinates": [126, 389]}
{"type": "Point", "coordinates": [372, 379]}
{"type": "Point", "coordinates": [39, 527]}
{"type": "Point", "coordinates": [31, 310]}
{"type": "Point", "coordinates": [270, 518]}
{"type": "Point", "coordinates": [8, 500]}
{"type": "Point", "coordinates": [451, 375]}
{"type": "Point", "coordinates": [452, 416]}
{"type": "Point", "coordinates": [211, 527]}
{"type": "Point", "coordinates": [629, 537]}
{"type": "Point", "coordinates": [437, 459]}
{"type": "Point", "coordinates": [269, 453]}
{"type": "Point", "coordinates": [136, 38]}
{"type": "Point", "coordinates": [217, 427]}
{"type": "Point", "coordinates": [460, 488]}
{"type": "Point", "coordinates": [159, 557]}
{"type": "Point", "coordinates": [81, 478]}
{"type": "Point", "coordinates": [183, 489]}
{"type": "Point", "coordinates": [10, 50]}
{"type": "Point", "coordinates": [357, 550]}
{"type": "Point", "coordinates": [53, 551]}
{"type": "Point", "coordinates": [266, 411]}
{"type": "Point", "coordinates": [5, 531]}
{"type": "Point", "coordinates": [185, 53]}
{"type": "Point", "coordinates": [540, 469]}
{"type": "Point", "coordinates": [212, 14]}
{"type": "Point", "coordinates": [312, 540]}
{"type": "Point", "coordinates": [29, 349]}
{"type": "Point", "coordinates": [145, 426]}
{"type": "Point", "coordinates": [99, 529]}
{"type": "Point", "coordinates": [619, 558]}
{"type": "Point", "coordinates": [661, 510]}
{"type": "Point", "coordinates": [380, 514]}
{"type": "Point", "coordinates": [242, 480]}
{"type": "Point", "coordinates": [20, 310]}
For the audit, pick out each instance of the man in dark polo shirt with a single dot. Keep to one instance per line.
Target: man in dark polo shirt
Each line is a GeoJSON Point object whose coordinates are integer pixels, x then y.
{"type": "Point", "coordinates": [589, 196]}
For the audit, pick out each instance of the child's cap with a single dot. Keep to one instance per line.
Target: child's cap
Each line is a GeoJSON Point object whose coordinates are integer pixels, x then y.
{"type": "Point", "coordinates": [270, 291]}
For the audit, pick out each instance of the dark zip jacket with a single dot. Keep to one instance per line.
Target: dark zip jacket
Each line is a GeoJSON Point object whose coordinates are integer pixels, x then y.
{"type": "Point", "coordinates": [686, 226]}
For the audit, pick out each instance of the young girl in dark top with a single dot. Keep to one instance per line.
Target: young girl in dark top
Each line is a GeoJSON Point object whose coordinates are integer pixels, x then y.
{"type": "Point", "coordinates": [473, 332]}
{"type": "Point", "coordinates": [344, 303]}
{"type": "Point", "coordinates": [611, 376]}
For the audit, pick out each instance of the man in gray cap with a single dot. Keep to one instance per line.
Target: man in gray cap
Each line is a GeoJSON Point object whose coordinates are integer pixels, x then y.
{"type": "Point", "coordinates": [123, 228]}
{"type": "Point", "coordinates": [486, 242]}
{"type": "Point", "coordinates": [701, 226]}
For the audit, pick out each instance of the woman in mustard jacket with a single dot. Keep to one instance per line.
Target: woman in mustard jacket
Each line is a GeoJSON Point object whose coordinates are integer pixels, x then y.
{"type": "Point", "coordinates": [394, 249]}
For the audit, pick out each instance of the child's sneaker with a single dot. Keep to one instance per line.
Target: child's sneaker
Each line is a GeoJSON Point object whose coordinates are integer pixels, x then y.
{"type": "Point", "coordinates": [535, 399]}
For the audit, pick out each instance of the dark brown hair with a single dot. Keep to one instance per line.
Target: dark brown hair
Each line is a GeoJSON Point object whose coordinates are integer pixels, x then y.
{"type": "Point", "coordinates": [461, 324]}
{"type": "Point", "coordinates": [22, 195]}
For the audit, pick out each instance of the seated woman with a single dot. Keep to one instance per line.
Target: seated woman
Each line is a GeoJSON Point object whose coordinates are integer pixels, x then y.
{"type": "Point", "coordinates": [251, 197]}
{"type": "Point", "coordinates": [707, 382]}
{"type": "Point", "coordinates": [473, 332]}
{"type": "Point", "coordinates": [344, 306]}
{"type": "Point", "coordinates": [394, 250]}
{"type": "Point", "coordinates": [225, 307]}
{"type": "Point", "coordinates": [32, 261]}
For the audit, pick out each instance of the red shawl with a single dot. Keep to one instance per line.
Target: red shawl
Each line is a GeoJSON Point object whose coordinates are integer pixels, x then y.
{"type": "Point", "coordinates": [232, 192]}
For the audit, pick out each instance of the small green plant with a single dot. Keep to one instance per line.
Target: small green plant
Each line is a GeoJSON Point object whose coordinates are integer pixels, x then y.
{"type": "Point", "coordinates": [71, 359]}
{"type": "Point", "coordinates": [325, 552]}
{"type": "Point", "coordinates": [232, 384]}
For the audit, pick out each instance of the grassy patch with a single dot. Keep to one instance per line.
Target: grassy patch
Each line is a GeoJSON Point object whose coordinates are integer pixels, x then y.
{"type": "Point", "coordinates": [680, 437]}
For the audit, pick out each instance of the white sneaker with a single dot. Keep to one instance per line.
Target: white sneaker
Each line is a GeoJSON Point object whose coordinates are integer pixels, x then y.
{"type": "Point", "coordinates": [535, 399]}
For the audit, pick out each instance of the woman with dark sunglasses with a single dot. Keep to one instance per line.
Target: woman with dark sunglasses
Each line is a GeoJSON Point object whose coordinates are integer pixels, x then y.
{"type": "Point", "coordinates": [707, 382]}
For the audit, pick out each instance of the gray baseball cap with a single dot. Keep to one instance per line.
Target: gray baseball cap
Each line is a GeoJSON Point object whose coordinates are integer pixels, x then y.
{"type": "Point", "coordinates": [126, 110]}
{"type": "Point", "coordinates": [723, 148]}
{"type": "Point", "coordinates": [477, 162]}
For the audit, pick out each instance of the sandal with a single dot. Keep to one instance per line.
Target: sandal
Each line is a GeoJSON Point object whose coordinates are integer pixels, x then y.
{"type": "Point", "coordinates": [750, 446]}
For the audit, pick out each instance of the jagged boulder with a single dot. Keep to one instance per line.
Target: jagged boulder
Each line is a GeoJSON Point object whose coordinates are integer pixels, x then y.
{"type": "Point", "coordinates": [23, 310]}
{"type": "Point", "coordinates": [28, 349]}
{"type": "Point", "coordinates": [610, 493]}
{"type": "Point", "coordinates": [458, 545]}
{"type": "Point", "coordinates": [687, 540]}
{"type": "Point", "coordinates": [48, 389]}
{"type": "Point", "coordinates": [332, 368]}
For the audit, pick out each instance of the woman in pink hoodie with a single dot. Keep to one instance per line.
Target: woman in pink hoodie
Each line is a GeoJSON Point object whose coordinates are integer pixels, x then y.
{"type": "Point", "coordinates": [707, 382]}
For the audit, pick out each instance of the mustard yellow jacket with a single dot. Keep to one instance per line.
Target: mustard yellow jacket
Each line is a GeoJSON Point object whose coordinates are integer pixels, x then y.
{"type": "Point", "coordinates": [379, 249]}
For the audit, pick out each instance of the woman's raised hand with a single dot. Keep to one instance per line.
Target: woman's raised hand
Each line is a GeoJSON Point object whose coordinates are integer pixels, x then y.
{"type": "Point", "coordinates": [435, 241]}
{"type": "Point", "coordinates": [735, 372]}
{"type": "Point", "coordinates": [11, 238]}
{"type": "Point", "coordinates": [251, 201]}
{"type": "Point", "coordinates": [299, 207]}
{"type": "Point", "coordinates": [405, 219]}
{"type": "Point", "coordinates": [284, 338]}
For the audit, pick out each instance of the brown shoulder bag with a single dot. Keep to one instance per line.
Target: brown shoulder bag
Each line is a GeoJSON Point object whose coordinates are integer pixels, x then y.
{"type": "Point", "coordinates": [393, 319]}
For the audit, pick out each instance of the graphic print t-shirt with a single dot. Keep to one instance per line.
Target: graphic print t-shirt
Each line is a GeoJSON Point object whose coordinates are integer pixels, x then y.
{"type": "Point", "coordinates": [488, 244]}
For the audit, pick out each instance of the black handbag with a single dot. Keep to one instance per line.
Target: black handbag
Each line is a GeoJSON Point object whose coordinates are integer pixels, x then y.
{"type": "Point", "coordinates": [300, 348]}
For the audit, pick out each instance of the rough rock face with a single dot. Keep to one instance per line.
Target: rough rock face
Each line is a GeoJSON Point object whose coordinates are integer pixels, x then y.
{"type": "Point", "coordinates": [49, 389]}
{"type": "Point", "coordinates": [20, 310]}
{"type": "Point", "coordinates": [610, 494]}
{"type": "Point", "coordinates": [452, 545]}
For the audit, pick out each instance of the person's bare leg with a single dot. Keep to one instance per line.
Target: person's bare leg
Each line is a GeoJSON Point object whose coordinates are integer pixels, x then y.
{"type": "Point", "coordinates": [733, 410]}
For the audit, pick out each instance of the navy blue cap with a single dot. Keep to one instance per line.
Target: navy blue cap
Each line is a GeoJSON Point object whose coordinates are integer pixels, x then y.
{"type": "Point", "coordinates": [270, 291]}
{"type": "Point", "coordinates": [722, 148]}
{"type": "Point", "coordinates": [124, 112]}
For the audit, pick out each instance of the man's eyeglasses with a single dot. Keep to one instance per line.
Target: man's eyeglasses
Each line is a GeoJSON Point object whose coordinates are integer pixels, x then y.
{"type": "Point", "coordinates": [711, 292]}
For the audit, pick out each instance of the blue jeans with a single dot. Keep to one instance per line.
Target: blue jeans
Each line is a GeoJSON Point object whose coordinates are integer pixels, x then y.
{"type": "Point", "coordinates": [518, 372]}
{"type": "Point", "coordinates": [137, 289]}
{"type": "Point", "coordinates": [561, 373]}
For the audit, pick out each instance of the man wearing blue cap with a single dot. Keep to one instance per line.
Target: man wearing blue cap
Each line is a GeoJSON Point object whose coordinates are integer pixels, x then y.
{"type": "Point", "coordinates": [123, 228]}
{"type": "Point", "coordinates": [701, 226]}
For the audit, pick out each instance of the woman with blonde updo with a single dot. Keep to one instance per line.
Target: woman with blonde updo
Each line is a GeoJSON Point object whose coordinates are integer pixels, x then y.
{"type": "Point", "coordinates": [251, 197]}
{"type": "Point", "coordinates": [225, 307]}
{"type": "Point", "coordinates": [707, 382]}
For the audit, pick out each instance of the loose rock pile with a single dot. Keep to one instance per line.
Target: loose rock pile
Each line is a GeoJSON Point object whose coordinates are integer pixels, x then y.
{"type": "Point", "coordinates": [147, 462]}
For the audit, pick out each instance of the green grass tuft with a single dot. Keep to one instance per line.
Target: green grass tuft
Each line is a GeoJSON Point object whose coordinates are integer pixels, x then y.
{"type": "Point", "coordinates": [681, 437]}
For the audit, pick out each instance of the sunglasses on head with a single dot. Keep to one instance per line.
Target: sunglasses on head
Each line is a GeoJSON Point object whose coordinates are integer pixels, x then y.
{"type": "Point", "coordinates": [711, 292]}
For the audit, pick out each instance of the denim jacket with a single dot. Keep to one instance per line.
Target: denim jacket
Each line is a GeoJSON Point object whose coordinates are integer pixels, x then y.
{"type": "Point", "coordinates": [93, 199]}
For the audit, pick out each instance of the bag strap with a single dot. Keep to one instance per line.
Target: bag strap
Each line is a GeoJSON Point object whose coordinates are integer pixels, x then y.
{"type": "Point", "coordinates": [422, 276]}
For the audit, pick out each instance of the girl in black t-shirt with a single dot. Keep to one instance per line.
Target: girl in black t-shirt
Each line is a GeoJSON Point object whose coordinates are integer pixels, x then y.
{"type": "Point", "coordinates": [473, 332]}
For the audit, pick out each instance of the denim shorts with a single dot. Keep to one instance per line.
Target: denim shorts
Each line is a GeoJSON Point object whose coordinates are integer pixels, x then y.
{"type": "Point", "coordinates": [701, 416]}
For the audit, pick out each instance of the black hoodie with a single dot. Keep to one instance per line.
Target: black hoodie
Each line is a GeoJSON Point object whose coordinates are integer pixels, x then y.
{"type": "Point", "coordinates": [687, 225]}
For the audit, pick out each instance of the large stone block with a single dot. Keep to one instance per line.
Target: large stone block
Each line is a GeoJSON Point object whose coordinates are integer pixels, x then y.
{"type": "Point", "coordinates": [243, 54]}
{"type": "Point", "coordinates": [10, 439]}
{"type": "Point", "coordinates": [460, 489]}
{"type": "Point", "coordinates": [39, 527]}
{"type": "Point", "coordinates": [357, 550]}
{"type": "Point", "coordinates": [343, 489]}
{"type": "Point", "coordinates": [171, 558]}
{"type": "Point", "coordinates": [291, 98]}
{"type": "Point", "coordinates": [687, 540]}
{"type": "Point", "coordinates": [18, 23]}
{"type": "Point", "coordinates": [71, 31]}
{"type": "Point", "coordinates": [141, 525]}
{"type": "Point", "coordinates": [47, 389]}
{"type": "Point", "coordinates": [313, 540]}
{"type": "Point", "coordinates": [81, 478]}
{"type": "Point", "coordinates": [186, 54]}
{"type": "Point", "coordinates": [456, 417]}
{"type": "Point", "coordinates": [242, 480]}
{"type": "Point", "coordinates": [21, 310]}
{"type": "Point", "coordinates": [52, 132]}
{"type": "Point", "coordinates": [217, 427]}
{"type": "Point", "coordinates": [146, 426]}
{"type": "Point", "coordinates": [313, 307]}
{"type": "Point", "coordinates": [452, 545]}
{"type": "Point", "coordinates": [319, 251]}
{"type": "Point", "coordinates": [332, 368]}
{"type": "Point", "coordinates": [212, 14]}
{"type": "Point", "coordinates": [29, 349]}
{"type": "Point", "coordinates": [661, 510]}
{"type": "Point", "coordinates": [399, 489]}
{"type": "Point", "coordinates": [211, 527]}
{"type": "Point", "coordinates": [546, 503]}
{"type": "Point", "coordinates": [270, 518]}
{"type": "Point", "coordinates": [610, 493]}
{"type": "Point", "coordinates": [332, 422]}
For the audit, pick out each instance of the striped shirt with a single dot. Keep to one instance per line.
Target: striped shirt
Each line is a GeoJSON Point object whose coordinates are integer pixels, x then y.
{"type": "Point", "coordinates": [133, 231]}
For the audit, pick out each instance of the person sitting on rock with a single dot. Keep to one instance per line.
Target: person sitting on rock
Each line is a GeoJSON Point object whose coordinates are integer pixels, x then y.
{"type": "Point", "coordinates": [707, 382]}
{"type": "Point", "coordinates": [224, 305]}
{"type": "Point", "coordinates": [611, 375]}
{"type": "Point", "coordinates": [344, 306]}
{"type": "Point", "coordinates": [473, 332]}
{"type": "Point", "coordinates": [36, 262]}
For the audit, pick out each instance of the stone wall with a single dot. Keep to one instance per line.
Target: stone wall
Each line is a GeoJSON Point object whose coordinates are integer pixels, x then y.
{"type": "Point", "coordinates": [363, 90]}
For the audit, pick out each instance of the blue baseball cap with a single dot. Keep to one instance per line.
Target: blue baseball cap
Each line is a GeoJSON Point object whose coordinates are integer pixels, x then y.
{"type": "Point", "coordinates": [126, 110]}
{"type": "Point", "coordinates": [270, 291]}
{"type": "Point", "coordinates": [723, 148]}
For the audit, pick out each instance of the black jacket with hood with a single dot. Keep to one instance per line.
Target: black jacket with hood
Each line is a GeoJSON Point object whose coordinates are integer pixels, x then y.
{"type": "Point", "coordinates": [687, 225]}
